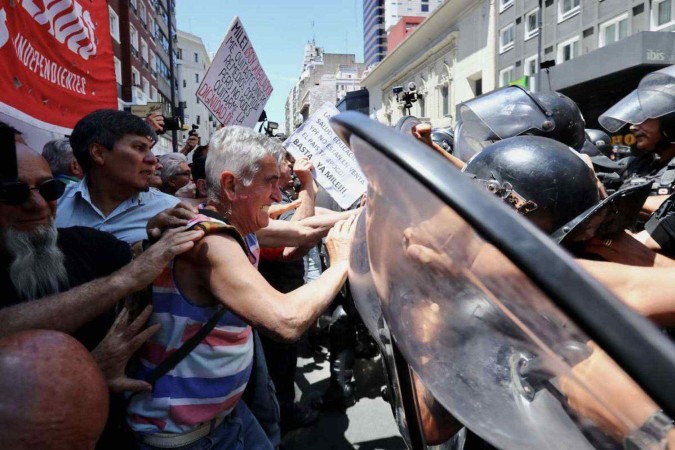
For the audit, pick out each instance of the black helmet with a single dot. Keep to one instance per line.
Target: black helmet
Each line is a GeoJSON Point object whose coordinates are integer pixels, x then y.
{"type": "Point", "coordinates": [444, 138]}
{"type": "Point", "coordinates": [654, 98]}
{"type": "Point", "coordinates": [568, 120]}
{"type": "Point", "coordinates": [539, 177]}
{"type": "Point", "coordinates": [512, 111]}
{"type": "Point", "coordinates": [600, 140]}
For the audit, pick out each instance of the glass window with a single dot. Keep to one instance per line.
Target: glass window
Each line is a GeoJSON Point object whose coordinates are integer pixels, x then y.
{"type": "Point", "coordinates": [530, 69]}
{"type": "Point", "coordinates": [503, 4]}
{"type": "Point", "coordinates": [445, 101]}
{"type": "Point", "coordinates": [662, 13]}
{"type": "Point", "coordinates": [425, 8]}
{"type": "Point", "coordinates": [144, 50]}
{"type": "Point", "coordinates": [568, 8]}
{"type": "Point", "coordinates": [531, 24]}
{"type": "Point", "coordinates": [614, 30]}
{"type": "Point", "coordinates": [114, 24]}
{"type": "Point", "coordinates": [133, 33]}
{"type": "Point", "coordinates": [118, 70]}
{"type": "Point", "coordinates": [196, 78]}
{"type": "Point", "coordinates": [506, 76]}
{"type": "Point", "coordinates": [196, 57]}
{"type": "Point", "coordinates": [506, 38]}
{"type": "Point", "coordinates": [568, 50]}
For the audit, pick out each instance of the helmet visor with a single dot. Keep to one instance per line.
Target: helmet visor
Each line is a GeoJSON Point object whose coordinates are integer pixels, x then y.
{"type": "Point", "coordinates": [498, 115]}
{"type": "Point", "coordinates": [654, 97]}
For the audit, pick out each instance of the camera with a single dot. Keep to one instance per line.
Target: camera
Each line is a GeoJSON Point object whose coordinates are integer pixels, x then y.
{"type": "Point", "coordinates": [171, 123]}
{"type": "Point", "coordinates": [412, 87]}
{"type": "Point", "coordinates": [397, 89]}
{"type": "Point", "coordinates": [193, 131]}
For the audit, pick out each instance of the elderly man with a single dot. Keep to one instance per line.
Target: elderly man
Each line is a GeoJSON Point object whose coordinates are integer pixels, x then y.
{"type": "Point", "coordinates": [59, 156]}
{"type": "Point", "coordinates": [175, 172]}
{"type": "Point", "coordinates": [114, 150]}
{"type": "Point", "coordinates": [199, 400]}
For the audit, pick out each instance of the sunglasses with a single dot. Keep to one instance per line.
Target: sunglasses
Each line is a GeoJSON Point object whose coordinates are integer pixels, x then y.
{"type": "Point", "coordinates": [17, 192]}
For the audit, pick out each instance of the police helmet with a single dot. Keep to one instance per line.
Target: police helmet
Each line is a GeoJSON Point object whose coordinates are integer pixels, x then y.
{"type": "Point", "coordinates": [541, 178]}
{"type": "Point", "coordinates": [444, 138]}
{"type": "Point", "coordinates": [568, 120]}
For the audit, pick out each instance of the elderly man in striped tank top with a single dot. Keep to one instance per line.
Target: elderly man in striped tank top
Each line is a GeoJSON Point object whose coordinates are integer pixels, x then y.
{"type": "Point", "coordinates": [197, 404]}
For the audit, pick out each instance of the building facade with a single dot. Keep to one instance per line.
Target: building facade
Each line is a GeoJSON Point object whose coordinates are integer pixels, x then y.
{"type": "Point", "coordinates": [401, 30]}
{"type": "Point", "coordinates": [599, 49]}
{"type": "Point", "coordinates": [395, 10]}
{"type": "Point", "coordinates": [449, 57]}
{"type": "Point", "coordinates": [192, 63]}
{"type": "Point", "coordinates": [325, 77]}
{"type": "Point", "coordinates": [140, 32]}
{"type": "Point", "coordinates": [374, 34]}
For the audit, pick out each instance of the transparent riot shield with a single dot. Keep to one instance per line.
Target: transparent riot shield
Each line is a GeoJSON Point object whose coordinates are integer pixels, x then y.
{"type": "Point", "coordinates": [499, 114]}
{"type": "Point", "coordinates": [487, 321]}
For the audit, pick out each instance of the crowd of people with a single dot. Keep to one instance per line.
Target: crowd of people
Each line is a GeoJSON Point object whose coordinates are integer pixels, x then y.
{"type": "Point", "coordinates": [157, 301]}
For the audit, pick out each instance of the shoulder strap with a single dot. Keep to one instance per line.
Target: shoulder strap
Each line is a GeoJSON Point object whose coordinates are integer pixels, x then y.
{"type": "Point", "coordinates": [185, 349]}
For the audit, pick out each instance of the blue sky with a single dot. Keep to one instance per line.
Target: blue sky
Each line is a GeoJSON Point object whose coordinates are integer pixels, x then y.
{"type": "Point", "coordinates": [279, 30]}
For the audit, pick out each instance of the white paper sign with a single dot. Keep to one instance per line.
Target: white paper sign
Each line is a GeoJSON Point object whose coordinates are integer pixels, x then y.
{"type": "Point", "coordinates": [337, 170]}
{"type": "Point", "coordinates": [235, 88]}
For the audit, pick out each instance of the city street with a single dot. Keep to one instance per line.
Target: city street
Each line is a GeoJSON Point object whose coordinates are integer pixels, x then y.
{"type": "Point", "coordinates": [368, 425]}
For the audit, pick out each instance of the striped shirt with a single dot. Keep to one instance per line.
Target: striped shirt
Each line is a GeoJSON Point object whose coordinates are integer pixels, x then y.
{"type": "Point", "coordinates": [210, 380]}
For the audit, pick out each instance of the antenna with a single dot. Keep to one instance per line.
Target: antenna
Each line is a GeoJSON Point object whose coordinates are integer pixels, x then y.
{"type": "Point", "coordinates": [313, 34]}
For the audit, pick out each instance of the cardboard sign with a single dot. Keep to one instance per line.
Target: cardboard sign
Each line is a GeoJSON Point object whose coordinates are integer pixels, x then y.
{"type": "Point", "coordinates": [337, 170]}
{"type": "Point", "coordinates": [57, 64]}
{"type": "Point", "coordinates": [235, 88]}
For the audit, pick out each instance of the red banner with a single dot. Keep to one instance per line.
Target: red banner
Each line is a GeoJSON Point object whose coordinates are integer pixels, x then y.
{"type": "Point", "coordinates": [56, 62]}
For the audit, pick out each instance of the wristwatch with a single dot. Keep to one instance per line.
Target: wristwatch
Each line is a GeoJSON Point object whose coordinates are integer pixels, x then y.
{"type": "Point", "coordinates": [651, 435]}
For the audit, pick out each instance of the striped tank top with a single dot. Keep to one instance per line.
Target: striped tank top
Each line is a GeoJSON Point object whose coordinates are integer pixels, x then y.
{"type": "Point", "coordinates": [209, 381]}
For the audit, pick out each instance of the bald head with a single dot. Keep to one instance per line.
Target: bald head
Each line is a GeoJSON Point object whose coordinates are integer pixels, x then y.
{"type": "Point", "coordinates": [52, 394]}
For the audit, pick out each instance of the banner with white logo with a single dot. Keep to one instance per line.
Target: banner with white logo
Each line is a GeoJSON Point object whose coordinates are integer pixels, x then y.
{"type": "Point", "coordinates": [337, 170]}
{"type": "Point", "coordinates": [235, 88]}
{"type": "Point", "coordinates": [57, 64]}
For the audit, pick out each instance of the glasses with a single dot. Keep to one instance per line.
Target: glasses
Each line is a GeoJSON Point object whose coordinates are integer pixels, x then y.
{"type": "Point", "coordinates": [17, 192]}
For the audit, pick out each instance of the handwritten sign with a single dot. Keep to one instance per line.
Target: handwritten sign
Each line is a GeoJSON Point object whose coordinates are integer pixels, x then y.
{"type": "Point", "coordinates": [337, 170]}
{"type": "Point", "coordinates": [235, 88]}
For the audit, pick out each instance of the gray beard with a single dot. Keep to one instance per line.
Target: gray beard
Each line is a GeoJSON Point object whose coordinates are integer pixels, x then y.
{"type": "Point", "coordinates": [38, 265]}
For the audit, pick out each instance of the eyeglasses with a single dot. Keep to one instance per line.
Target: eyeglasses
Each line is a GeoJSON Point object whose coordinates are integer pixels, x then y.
{"type": "Point", "coordinates": [17, 192]}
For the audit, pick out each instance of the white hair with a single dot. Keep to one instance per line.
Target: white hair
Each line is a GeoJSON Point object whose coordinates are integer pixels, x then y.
{"type": "Point", "coordinates": [38, 265]}
{"type": "Point", "coordinates": [59, 155]}
{"type": "Point", "coordinates": [171, 163]}
{"type": "Point", "coordinates": [238, 150]}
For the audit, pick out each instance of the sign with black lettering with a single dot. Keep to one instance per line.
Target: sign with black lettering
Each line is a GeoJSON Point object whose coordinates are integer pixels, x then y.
{"type": "Point", "coordinates": [235, 88]}
{"type": "Point", "coordinates": [337, 170]}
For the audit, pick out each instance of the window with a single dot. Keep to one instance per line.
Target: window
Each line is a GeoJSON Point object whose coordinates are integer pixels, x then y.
{"type": "Point", "coordinates": [118, 70]}
{"type": "Point", "coordinates": [153, 93]}
{"type": "Point", "coordinates": [506, 76]}
{"type": "Point", "coordinates": [196, 78]}
{"type": "Point", "coordinates": [421, 105]}
{"type": "Point", "coordinates": [114, 24]}
{"type": "Point", "coordinates": [146, 87]}
{"type": "Point", "coordinates": [503, 4]}
{"type": "Point", "coordinates": [153, 64]}
{"type": "Point", "coordinates": [532, 24]}
{"type": "Point", "coordinates": [196, 57]}
{"type": "Point", "coordinates": [425, 8]}
{"type": "Point", "coordinates": [506, 38]}
{"type": "Point", "coordinates": [662, 14]}
{"type": "Point", "coordinates": [567, 9]}
{"type": "Point", "coordinates": [530, 69]}
{"type": "Point", "coordinates": [134, 4]}
{"type": "Point", "coordinates": [151, 25]}
{"type": "Point", "coordinates": [141, 13]}
{"type": "Point", "coordinates": [184, 83]}
{"type": "Point", "coordinates": [135, 77]}
{"type": "Point", "coordinates": [568, 50]}
{"type": "Point", "coordinates": [133, 33]}
{"type": "Point", "coordinates": [614, 30]}
{"type": "Point", "coordinates": [179, 53]}
{"type": "Point", "coordinates": [144, 50]}
{"type": "Point", "coordinates": [445, 107]}
{"type": "Point", "coordinates": [198, 120]}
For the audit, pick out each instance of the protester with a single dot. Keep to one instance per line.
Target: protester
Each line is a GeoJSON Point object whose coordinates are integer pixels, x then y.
{"type": "Point", "coordinates": [242, 182]}
{"type": "Point", "coordinates": [114, 150]}
{"type": "Point", "coordinates": [176, 173]}
{"type": "Point", "coordinates": [156, 178]}
{"type": "Point", "coordinates": [59, 156]}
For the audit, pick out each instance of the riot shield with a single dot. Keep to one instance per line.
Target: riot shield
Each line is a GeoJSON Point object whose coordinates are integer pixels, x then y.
{"type": "Point", "coordinates": [502, 328]}
{"type": "Point", "coordinates": [503, 113]}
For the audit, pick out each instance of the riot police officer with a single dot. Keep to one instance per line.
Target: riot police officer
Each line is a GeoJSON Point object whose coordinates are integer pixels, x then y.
{"type": "Point", "coordinates": [650, 111]}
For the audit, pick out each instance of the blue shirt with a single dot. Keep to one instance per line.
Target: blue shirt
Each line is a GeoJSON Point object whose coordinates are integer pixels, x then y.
{"type": "Point", "coordinates": [127, 222]}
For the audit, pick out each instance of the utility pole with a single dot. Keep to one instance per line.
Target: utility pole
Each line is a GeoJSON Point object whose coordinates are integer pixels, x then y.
{"type": "Point", "coordinates": [540, 40]}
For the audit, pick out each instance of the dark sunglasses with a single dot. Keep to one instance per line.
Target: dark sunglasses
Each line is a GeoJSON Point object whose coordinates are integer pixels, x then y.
{"type": "Point", "coordinates": [17, 192]}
